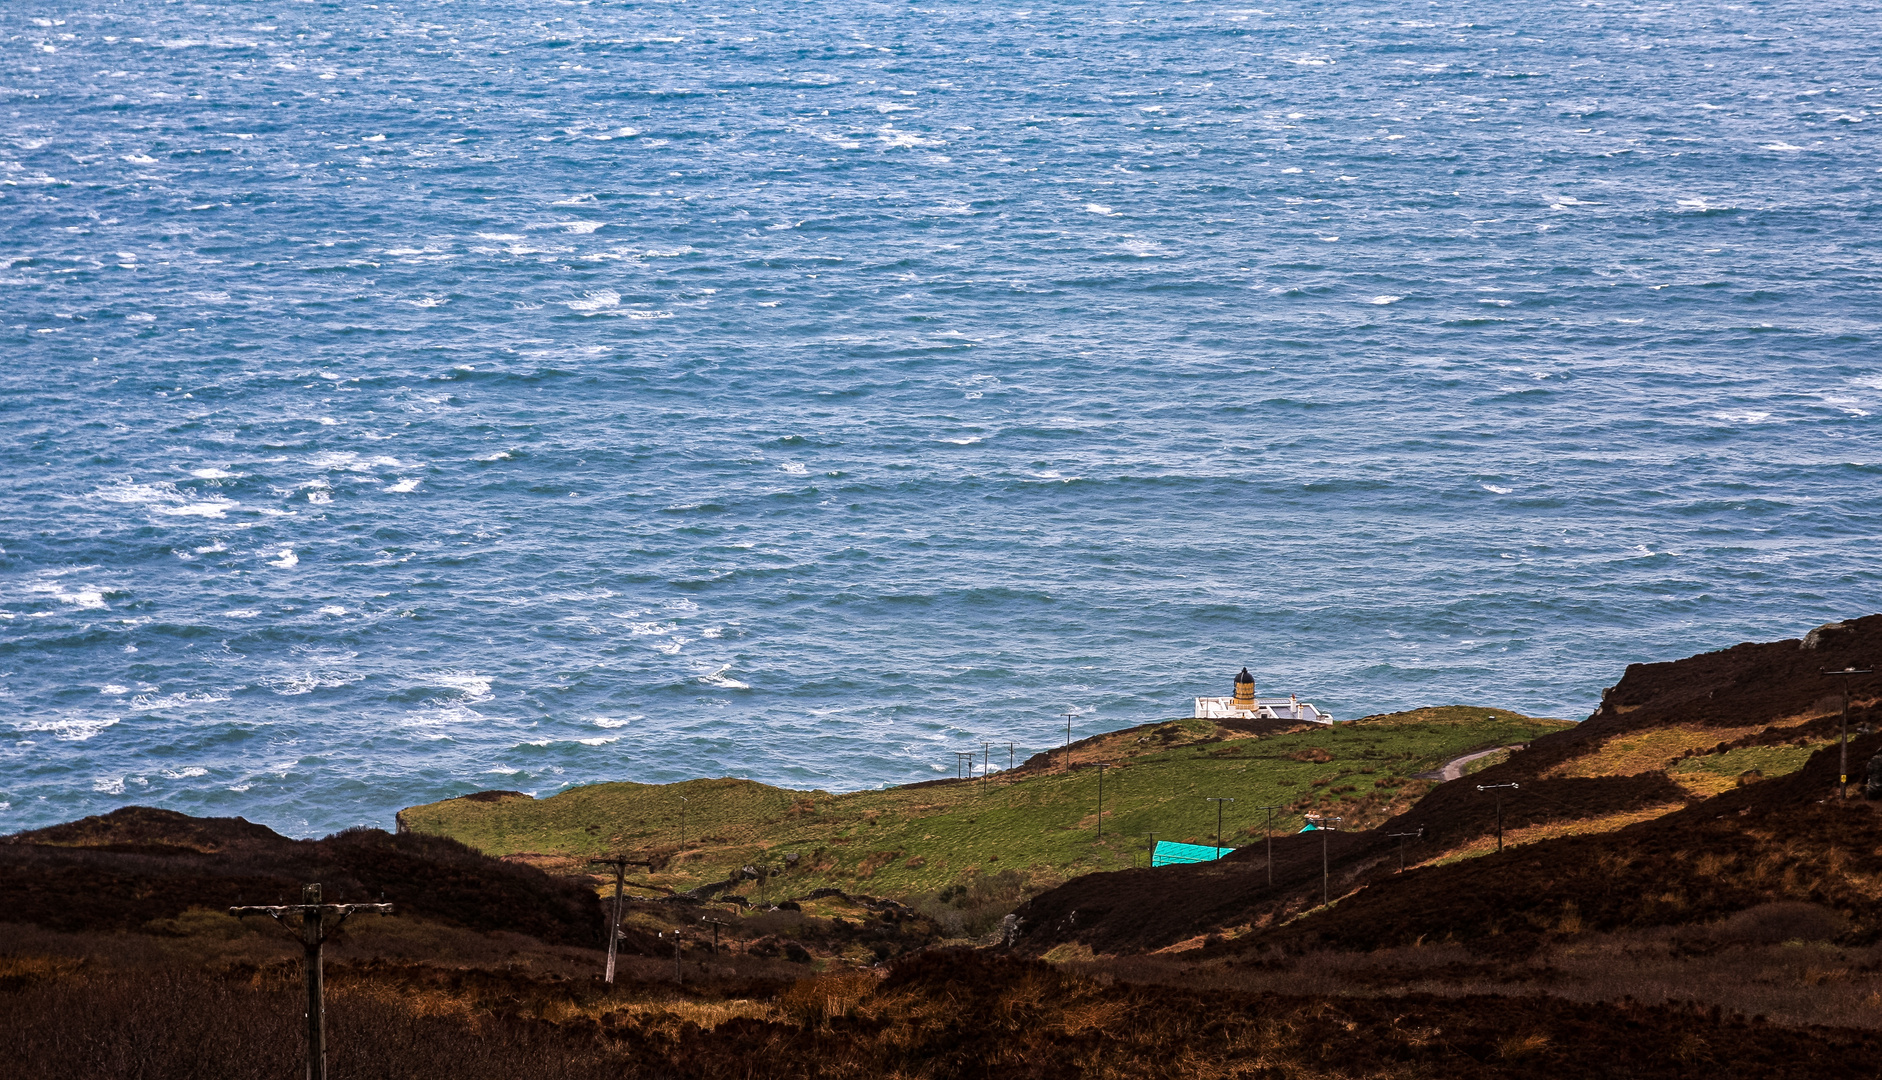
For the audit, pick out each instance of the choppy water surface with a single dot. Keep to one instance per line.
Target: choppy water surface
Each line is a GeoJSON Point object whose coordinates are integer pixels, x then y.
{"type": "Point", "coordinates": [406, 399]}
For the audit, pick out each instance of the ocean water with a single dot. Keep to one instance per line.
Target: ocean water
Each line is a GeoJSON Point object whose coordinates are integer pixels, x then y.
{"type": "Point", "coordinates": [410, 398]}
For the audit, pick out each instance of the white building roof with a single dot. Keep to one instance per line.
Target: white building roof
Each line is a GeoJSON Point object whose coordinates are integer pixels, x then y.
{"type": "Point", "coordinates": [1266, 708]}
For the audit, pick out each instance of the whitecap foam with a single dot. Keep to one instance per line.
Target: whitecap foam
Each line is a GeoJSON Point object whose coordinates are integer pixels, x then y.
{"type": "Point", "coordinates": [108, 785]}
{"type": "Point", "coordinates": [429, 301]}
{"type": "Point", "coordinates": [595, 300]}
{"type": "Point", "coordinates": [240, 613]}
{"type": "Point", "coordinates": [601, 740]}
{"type": "Point", "coordinates": [84, 597]}
{"type": "Point", "coordinates": [719, 678]}
{"type": "Point", "coordinates": [114, 689]}
{"type": "Point", "coordinates": [1099, 208]}
{"type": "Point", "coordinates": [615, 722]}
{"type": "Point", "coordinates": [581, 228]}
{"type": "Point", "coordinates": [189, 773]}
{"type": "Point", "coordinates": [310, 681]}
{"type": "Point", "coordinates": [1494, 490]}
{"type": "Point", "coordinates": [162, 702]}
{"type": "Point", "coordinates": [795, 468]}
{"type": "Point", "coordinates": [287, 561]}
{"type": "Point", "coordinates": [404, 485]}
{"type": "Point", "coordinates": [211, 473]}
{"type": "Point", "coordinates": [332, 609]}
{"type": "Point", "coordinates": [471, 687]}
{"type": "Point", "coordinates": [1383, 300]}
{"type": "Point", "coordinates": [67, 729]}
{"type": "Point", "coordinates": [576, 200]}
{"type": "Point", "coordinates": [1742, 416]}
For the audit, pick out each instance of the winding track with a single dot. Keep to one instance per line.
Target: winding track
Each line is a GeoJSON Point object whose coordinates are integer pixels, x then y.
{"type": "Point", "coordinates": [1454, 768]}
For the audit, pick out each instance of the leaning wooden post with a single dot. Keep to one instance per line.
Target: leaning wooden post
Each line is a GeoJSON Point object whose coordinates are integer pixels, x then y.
{"type": "Point", "coordinates": [614, 924]}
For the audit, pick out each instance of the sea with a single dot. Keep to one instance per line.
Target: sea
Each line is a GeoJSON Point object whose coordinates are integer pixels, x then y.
{"type": "Point", "coordinates": [406, 399]}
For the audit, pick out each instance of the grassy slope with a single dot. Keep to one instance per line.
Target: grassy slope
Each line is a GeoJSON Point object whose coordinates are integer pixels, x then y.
{"type": "Point", "coordinates": [1040, 822]}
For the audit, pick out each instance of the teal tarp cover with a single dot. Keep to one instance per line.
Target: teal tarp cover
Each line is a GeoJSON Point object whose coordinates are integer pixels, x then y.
{"type": "Point", "coordinates": [1168, 854]}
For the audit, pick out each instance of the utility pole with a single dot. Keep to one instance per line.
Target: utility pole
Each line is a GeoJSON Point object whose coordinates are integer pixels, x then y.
{"type": "Point", "coordinates": [1320, 825]}
{"type": "Point", "coordinates": [1102, 765]}
{"type": "Point", "coordinates": [1153, 851]}
{"type": "Point", "coordinates": [1268, 836]}
{"type": "Point", "coordinates": [716, 923]}
{"type": "Point", "coordinates": [620, 864]}
{"type": "Point", "coordinates": [986, 765]}
{"type": "Point", "coordinates": [1009, 759]}
{"type": "Point", "coordinates": [1401, 837]}
{"type": "Point", "coordinates": [682, 799]}
{"type": "Point", "coordinates": [1498, 788]}
{"type": "Point", "coordinates": [313, 934]}
{"type": "Point", "coordinates": [1842, 779]}
{"type": "Point", "coordinates": [1218, 823]}
{"type": "Point", "coordinates": [1068, 741]}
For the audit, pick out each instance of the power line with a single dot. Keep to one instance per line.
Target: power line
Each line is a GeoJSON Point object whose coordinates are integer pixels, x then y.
{"type": "Point", "coordinates": [313, 934]}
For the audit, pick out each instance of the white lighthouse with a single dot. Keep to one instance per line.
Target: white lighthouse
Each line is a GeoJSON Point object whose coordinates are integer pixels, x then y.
{"type": "Point", "coordinates": [1245, 704]}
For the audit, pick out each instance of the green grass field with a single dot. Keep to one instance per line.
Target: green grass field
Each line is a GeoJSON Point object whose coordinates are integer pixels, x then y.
{"type": "Point", "coordinates": [1042, 823]}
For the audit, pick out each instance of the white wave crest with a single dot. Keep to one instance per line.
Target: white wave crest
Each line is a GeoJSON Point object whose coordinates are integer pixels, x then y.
{"type": "Point", "coordinates": [67, 729]}
{"type": "Point", "coordinates": [471, 687]}
{"type": "Point", "coordinates": [721, 679]}
{"type": "Point", "coordinates": [595, 300]}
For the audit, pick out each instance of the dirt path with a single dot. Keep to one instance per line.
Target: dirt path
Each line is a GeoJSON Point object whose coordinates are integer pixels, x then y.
{"type": "Point", "coordinates": [1454, 768]}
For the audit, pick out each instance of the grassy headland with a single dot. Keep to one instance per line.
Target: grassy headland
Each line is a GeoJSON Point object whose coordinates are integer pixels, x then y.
{"type": "Point", "coordinates": [1039, 822]}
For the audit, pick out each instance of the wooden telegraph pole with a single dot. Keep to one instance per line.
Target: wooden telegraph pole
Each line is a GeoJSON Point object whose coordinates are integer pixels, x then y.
{"type": "Point", "coordinates": [1499, 789]}
{"type": "Point", "coordinates": [1842, 777]}
{"type": "Point", "coordinates": [1268, 836]}
{"type": "Point", "coordinates": [314, 929]}
{"type": "Point", "coordinates": [1320, 823]}
{"type": "Point", "coordinates": [620, 864]}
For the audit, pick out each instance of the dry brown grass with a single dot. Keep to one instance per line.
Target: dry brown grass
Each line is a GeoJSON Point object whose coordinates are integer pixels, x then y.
{"type": "Point", "coordinates": [824, 998]}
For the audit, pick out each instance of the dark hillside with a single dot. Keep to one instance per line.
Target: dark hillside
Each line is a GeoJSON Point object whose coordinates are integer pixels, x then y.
{"type": "Point", "coordinates": [1772, 842]}
{"type": "Point", "coordinates": [123, 870]}
{"type": "Point", "coordinates": [1617, 848]}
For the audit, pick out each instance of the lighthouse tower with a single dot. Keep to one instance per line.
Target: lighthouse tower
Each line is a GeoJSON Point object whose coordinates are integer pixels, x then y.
{"type": "Point", "coordinates": [1244, 690]}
